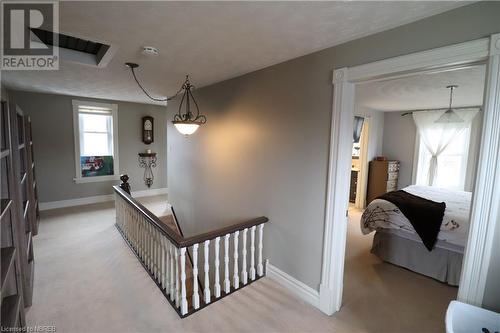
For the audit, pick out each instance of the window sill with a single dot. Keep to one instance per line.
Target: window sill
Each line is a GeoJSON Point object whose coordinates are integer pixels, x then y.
{"type": "Point", "coordinates": [96, 179]}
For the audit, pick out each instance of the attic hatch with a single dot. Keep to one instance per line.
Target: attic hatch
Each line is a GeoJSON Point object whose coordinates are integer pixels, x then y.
{"type": "Point", "coordinates": [73, 48]}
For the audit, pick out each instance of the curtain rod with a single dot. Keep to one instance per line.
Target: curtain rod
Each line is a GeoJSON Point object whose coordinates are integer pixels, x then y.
{"type": "Point", "coordinates": [440, 109]}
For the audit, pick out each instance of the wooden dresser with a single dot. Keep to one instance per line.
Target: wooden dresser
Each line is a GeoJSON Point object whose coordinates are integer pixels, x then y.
{"type": "Point", "coordinates": [382, 178]}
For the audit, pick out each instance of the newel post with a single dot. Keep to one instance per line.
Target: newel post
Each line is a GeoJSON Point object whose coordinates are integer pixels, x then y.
{"type": "Point", "coordinates": [125, 185]}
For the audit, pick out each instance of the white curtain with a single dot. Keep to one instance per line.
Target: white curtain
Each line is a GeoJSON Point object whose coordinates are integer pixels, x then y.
{"type": "Point", "coordinates": [436, 136]}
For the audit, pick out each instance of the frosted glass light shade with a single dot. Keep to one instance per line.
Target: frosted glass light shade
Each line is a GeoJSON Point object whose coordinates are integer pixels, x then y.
{"type": "Point", "coordinates": [448, 117]}
{"type": "Point", "coordinates": [186, 128]}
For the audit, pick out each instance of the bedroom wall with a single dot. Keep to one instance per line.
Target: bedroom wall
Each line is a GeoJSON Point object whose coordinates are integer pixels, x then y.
{"type": "Point", "coordinates": [264, 149]}
{"type": "Point", "coordinates": [399, 143]}
{"type": "Point", "coordinates": [53, 139]}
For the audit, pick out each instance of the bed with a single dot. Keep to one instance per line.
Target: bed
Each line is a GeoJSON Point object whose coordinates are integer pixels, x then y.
{"type": "Point", "coordinates": [396, 241]}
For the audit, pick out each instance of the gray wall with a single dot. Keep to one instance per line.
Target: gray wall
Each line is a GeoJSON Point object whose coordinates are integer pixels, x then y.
{"type": "Point", "coordinates": [264, 150]}
{"type": "Point", "coordinates": [53, 139]}
{"type": "Point", "coordinates": [399, 143]}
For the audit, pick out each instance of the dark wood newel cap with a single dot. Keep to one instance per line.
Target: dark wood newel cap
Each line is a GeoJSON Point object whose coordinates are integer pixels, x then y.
{"type": "Point", "coordinates": [125, 185]}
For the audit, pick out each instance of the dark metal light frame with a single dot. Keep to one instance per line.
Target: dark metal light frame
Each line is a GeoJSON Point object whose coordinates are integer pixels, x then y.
{"type": "Point", "coordinates": [186, 117]}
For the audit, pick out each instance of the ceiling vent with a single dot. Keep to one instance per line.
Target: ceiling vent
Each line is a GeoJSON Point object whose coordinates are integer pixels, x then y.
{"type": "Point", "coordinates": [75, 49]}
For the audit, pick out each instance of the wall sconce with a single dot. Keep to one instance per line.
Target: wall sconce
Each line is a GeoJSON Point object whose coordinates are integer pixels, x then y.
{"type": "Point", "coordinates": [147, 161]}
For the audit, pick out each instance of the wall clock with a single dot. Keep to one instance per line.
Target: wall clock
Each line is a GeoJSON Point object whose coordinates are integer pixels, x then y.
{"type": "Point", "coordinates": [147, 130]}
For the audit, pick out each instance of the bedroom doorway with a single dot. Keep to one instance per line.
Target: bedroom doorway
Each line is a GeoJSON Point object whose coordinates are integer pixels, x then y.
{"type": "Point", "coordinates": [385, 241]}
{"type": "Point", "coordinates": [346, 81]}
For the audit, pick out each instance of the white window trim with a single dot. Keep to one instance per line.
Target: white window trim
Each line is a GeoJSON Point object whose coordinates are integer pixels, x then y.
{"type": "Point", "coordinates": [76, 131]}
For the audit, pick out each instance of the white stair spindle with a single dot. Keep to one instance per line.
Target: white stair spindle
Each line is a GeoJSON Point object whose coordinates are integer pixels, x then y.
{"type": "Point", "coordinates": [227, 284]}
{"type": "Point", "coordinates": [148, 264]}
{"type": "Point", "coordinates": [167, 266]}
{"type": "Point", "coordinates": [236, 276]}
{"type": "Point", "coordinates": [252, 253]}
{"type": "Point", "coordinates": [132, 230]}
{"type": "Point", "coordinates": [260, 268]}
{"type": "Point", "coordinates": [136, 233]}
{"type": "Point", "coordinates": [153, 268]}
{"type": "Point", "coordinates": [150, 260]}
{"type": "Point", "coordinates": [139, 238]}
{"type": "Point", "coordinates": [196, 296]}
{"type": "Point", "coordinates": [184, 304]}
{"type": "Point", "coordinates": [244, 275]}
{"type": "Point", "coordinates": [157, 260]}
{"type": "Point", "coordinates": [155, 273]}
{"type": "Point", "coordinates": [177, 287]}
{"type": "Point", "coordinates": [131, 224]}
{"type": "Point", "coordinates": [145, 240]}
{"type": "Point", "coordinates": [158, 255]}
{"type": "Point", "coordinates": [172, 273]}
{"type": "Point", "coordinates": [143, 231]}
{"type": "Point", "coordinates": [163, 261]}
{"type": "Point", "coordinates": [207, 278]}
{"type": "Point", "coordinates": [217, 282]}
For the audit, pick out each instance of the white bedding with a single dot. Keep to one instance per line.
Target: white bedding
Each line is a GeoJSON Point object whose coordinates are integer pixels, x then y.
{"type": "Point", "coordinates": [385, 215]}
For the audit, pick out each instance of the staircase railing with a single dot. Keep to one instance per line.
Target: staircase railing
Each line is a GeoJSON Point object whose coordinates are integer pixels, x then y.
{"type": "Point", "coordinates": [162, 252]}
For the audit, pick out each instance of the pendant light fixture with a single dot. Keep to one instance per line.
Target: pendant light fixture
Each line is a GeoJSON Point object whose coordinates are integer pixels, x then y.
{"type": "Point", "coordinates": [450, 116]}
{"type": "Point", "coordinates": [185, 121]}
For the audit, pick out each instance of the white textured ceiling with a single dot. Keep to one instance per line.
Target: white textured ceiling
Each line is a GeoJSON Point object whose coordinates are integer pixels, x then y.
{"type": "Point", "coordinates": [212, 41]}
{"type": "Point", "coordinates": [424, 91]}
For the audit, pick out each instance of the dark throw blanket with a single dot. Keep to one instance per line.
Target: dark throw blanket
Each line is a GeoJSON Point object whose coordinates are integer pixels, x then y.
{"type": "Point", "coordinates": [424, 215]}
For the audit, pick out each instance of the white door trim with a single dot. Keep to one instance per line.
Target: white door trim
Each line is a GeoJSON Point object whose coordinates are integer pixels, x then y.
{"type": "Point", "coordinates": [476, 260]}
{"type": "Point", "coordinates": [485, 208]}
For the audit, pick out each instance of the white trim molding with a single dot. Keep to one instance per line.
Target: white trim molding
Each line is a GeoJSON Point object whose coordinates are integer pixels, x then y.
{"type": "Point", "coordinates": [406, 65]}
{"type": "Point", "coordinates": [150, 192]}
{"type": "Point", "coordinates": [332, 274]}
{"type": "Point", "coordinates": [96, 179]}
{"type": "Point", "coordinates": [76, 202]}
{"type": "Point", "coordinates": [299, 289]}
{"type": "Point", "coordinates": [485, 204]}
{"type": "Point", "coordinates": [97, 199]}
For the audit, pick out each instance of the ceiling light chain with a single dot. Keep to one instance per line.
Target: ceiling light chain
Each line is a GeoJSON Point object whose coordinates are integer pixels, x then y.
{"type": "Point", "coordinates": [186, 123]}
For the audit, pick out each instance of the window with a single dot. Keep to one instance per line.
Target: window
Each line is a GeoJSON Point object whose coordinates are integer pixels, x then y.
{"type": "Point", "coordinates": [96, 141]}
{"type": "Point", "coordinates": [451, 163]}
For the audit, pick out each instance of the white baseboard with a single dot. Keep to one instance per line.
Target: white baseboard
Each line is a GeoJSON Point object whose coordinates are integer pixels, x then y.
{"type": "Point", "coordinates": [151, 192]}
{"type": "Point", "coordinates": [97, 199]}
{"type": "Point", "coordinates": [75, 202]}
{"type": "Point", "coordinates": [298, 288]}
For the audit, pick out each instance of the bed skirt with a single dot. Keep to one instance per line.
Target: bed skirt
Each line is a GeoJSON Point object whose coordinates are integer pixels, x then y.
{"type": "Point", "coordinates": [441, 264]}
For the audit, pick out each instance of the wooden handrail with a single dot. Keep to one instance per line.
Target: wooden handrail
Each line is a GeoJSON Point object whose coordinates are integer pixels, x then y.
{"type": "Point", "coordinates": [177, 240]}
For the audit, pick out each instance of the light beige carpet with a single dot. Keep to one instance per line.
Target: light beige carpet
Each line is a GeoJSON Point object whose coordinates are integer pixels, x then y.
{"type": "Point", "coordinates": [88, 280]}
